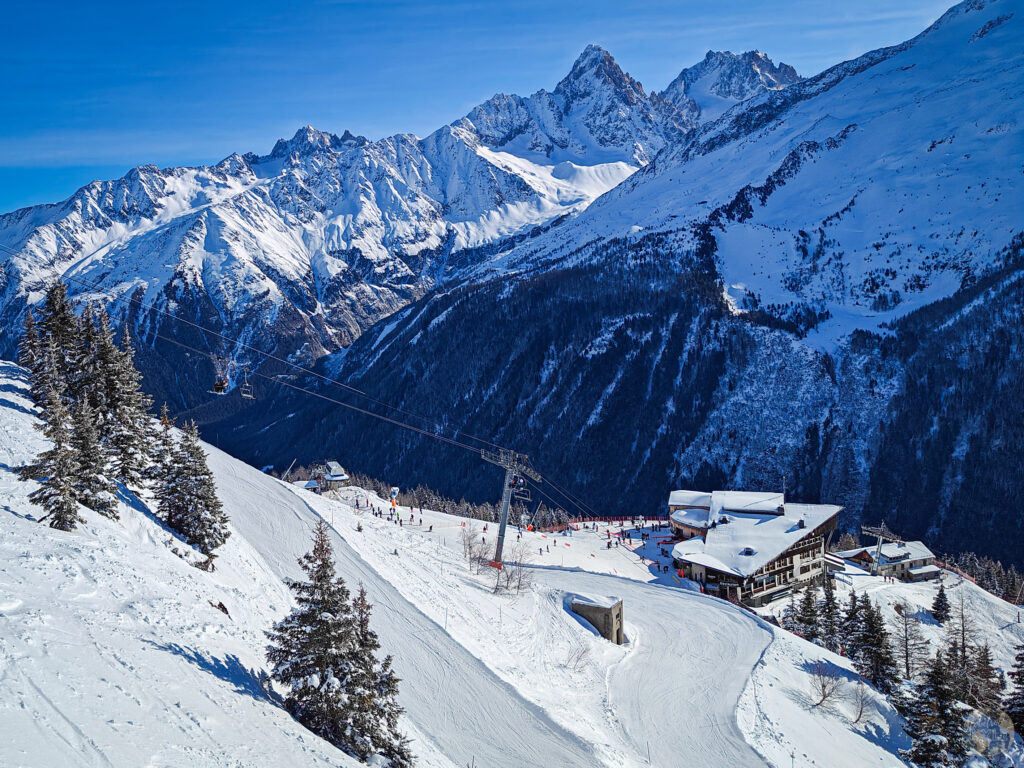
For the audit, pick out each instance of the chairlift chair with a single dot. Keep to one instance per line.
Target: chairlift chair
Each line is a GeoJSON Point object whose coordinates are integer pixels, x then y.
{"type": "Point", "coordinates": [246, 388]}
{"type": "Point", "coordinates": [220, 381]}
{"type": "Point", "coordinates": [519, 489]}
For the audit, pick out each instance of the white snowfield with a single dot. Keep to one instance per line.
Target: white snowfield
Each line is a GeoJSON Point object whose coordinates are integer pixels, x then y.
{"type": "Point", "coordinates": [112, 652]}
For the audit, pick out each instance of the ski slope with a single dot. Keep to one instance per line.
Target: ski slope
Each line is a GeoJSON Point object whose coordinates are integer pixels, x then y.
{"type": "Point", "coordinates": [113, 654]}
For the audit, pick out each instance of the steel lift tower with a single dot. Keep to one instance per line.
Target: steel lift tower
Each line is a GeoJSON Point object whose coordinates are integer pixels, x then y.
{"type": "Point", "coordinates": [516, 466]}
{"type": "Point", "coordinates": [884, 534]}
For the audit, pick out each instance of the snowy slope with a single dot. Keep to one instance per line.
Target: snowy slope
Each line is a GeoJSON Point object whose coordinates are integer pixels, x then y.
{"type": "Point", "coordinates": [304, 248]}
{"type": "Point", "coordinates": [327, 234]}
{"type": "Point", "coordinates": [111, 654]}
{"type": "Point", "coordinates": [723, 79]}
{"type": "Point", "coordinates": [861, 194]}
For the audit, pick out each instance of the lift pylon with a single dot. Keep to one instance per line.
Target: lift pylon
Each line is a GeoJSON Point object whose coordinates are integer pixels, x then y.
{"type": "Point", "coordinates": [884, 534]}
{"type": "Point", "coordinates": [516, 466]}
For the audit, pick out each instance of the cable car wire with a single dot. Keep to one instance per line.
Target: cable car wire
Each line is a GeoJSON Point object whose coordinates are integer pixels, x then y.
{"type": "Point", "coordinates": [432, 422]}
{"type": "Point", "coordinates": [153, 307]}
{"type": "Point", "coordinates": [322, 396]}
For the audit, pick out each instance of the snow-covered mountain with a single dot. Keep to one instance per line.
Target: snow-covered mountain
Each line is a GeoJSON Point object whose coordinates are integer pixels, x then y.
{"type": "Point", "coordinates": [808, 290]}
{"type": "Point", "coordinates": [706, 90]}
{"type": "Point", "coordinates": [302, 249]}
{"type": "Point", "coordinates": [743, 294]}
{"type": "Point", "coordinates": [597, 112]}
{"type": "Point", "coordinates": [113, 651]}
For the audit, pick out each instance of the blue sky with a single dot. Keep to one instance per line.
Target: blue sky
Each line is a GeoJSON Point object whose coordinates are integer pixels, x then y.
{"type": "Point", "coordinates": [91, 89]}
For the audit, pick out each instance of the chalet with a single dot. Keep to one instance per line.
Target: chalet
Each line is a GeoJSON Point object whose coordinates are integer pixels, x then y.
{"type": "Point", "coordinates": [906, 560]}
{"type": "Point", "coordinates": [307, 485]}
{"type": "Point", "coordinates": [749, 547]}
{"type": "Point", "coordinates": [334, 475]}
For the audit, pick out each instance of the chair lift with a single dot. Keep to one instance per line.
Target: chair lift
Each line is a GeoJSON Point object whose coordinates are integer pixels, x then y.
{"type": "Point", "coordinates": [519, 489]}
{"type": "Point", "coordinates": [220, 372]}
{"type": "Point", "coordinates": [246, 388]}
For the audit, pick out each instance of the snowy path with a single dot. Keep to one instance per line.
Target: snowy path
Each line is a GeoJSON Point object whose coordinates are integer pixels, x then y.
{"type": "Point", "coordinates": [672, 694]}
{"type": "Point", "coordinates": [683, 719]}
{"type": "Point", "coordinates": [453, 698]}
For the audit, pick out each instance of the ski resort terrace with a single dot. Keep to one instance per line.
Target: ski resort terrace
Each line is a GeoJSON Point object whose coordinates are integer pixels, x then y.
{"type": "Point", "coordinates": [749, 547]}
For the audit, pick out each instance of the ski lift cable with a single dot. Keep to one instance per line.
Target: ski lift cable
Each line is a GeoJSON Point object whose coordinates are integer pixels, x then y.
{"type": "Point", "coordinates": [322, 396]}
{"type": "Point", "coordinates": [573, 499]}
{"type": "Point", "coordinates": [554, 501]}
{"type": "Point", "coordinates": [237, 342]}
{"type": "Point", "coordinates": [581, 507]}
{"type": "Point", "coordinates": [223, 337]}
{"type": "Point", "coordinates": [269, 355]}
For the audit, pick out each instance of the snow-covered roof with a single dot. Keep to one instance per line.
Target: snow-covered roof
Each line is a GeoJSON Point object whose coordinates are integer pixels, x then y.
{"type": "Point", "coordinates": [740, 501]}
{"type": "Point", "coordinates": [695, 518]}
{"type": "Point", "coordinates": [698, 508]}
{"type": "Point", "coordinates": [923, 570]}
{"type": "Point", "coordinates": [604, 601]}
{"type": "Point", "coordinates": [892, 552]}
{"type": "Point", "coordinates": [750, 540]}
{"type": "Point", "coordinates": [689, 499]}
{"type": "Point", "coordinates": [306, 483]}
{"type": "Point", "coordinates": [335, 471]}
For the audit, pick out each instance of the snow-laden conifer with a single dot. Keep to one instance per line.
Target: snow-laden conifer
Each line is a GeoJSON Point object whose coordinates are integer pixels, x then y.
{"type": "Point", "coordinates": [92, 487]}
{"type": "Point", "coordinates": [56, 468]}
{"type": "Point", "coordinates": [829, 622]}
{"type": "Point", "coordinates": [1014, 702]}
{"type": "Point", "coordinates": [935, 722]}
{"type": "Point", "coordinates": [325, 652]}
{"type": "Point", "coordinates": [187, 497]}
{"type": "Point", "coordinates": [57, 322]}
{"type": "Point", "coordinates": [311, 649]}
{"type": "Point", "coordinates": [128, 407]}
{"type": "Point", "coordinates": [940, 606]}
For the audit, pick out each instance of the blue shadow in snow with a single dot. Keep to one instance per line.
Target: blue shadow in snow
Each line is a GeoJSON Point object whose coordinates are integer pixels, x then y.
{"type": "Point", "coordinates": [230, 669]}
{"type": "Point", "coordinates": [18, 514]}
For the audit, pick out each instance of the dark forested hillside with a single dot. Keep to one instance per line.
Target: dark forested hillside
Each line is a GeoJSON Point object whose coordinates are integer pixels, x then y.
{"type": "Point", "coordinates": [949, 463]}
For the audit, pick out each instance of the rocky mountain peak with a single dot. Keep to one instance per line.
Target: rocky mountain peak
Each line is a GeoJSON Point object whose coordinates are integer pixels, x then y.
{"type": "Point", "coordinates": [595, 70]}
{"type": "Point", "coordinates": [308, 140]}
{"type": "Point", "coordinates": [724, 78]}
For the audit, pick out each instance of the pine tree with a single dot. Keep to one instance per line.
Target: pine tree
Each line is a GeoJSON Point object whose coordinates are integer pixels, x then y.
{"type": "Point", "coordinates": [957, 670]}
{"type": "Point", "coordinates": [852, 627]}
{"type": "Point", "coordinates": [807, 615]}
{"type": "Point", "coordinates": [829, 618]}
{"type": "Point", "coordinates": [108, 357]}
{"type": "Point", "coordinates": [87, 379]}
{"type": "Point", "coordinates": [393, 743]}
{"type": "Point", "coordinates": [986, 687]}
{"type": "Point", "coordinates": [58, 324]}
{"type": "Point", "coordinates": [911, 647]}
{"type": "Point", "coordinates": [46, 376]}
{"type": "Point", "coordinates": [188, 500]}
{"type": "Point", "coordinates": [960, 634]}
{"type": "Point", "coordinates": [30, 346]}
{"type": "Point", "coordinates": [127, 408]}
{"type": "Point", "coordinates": [377, 691]}
{"type": "Point", "coordinates": [874, 660]}
{"type": "Point", "coordinates": [92, 488]}
{"type": "Point", "coordinates": [162, 447]}
{"type": "Point", "coordinates": [55, 469]}
{"type": "Point", "coordinates": [1014, 702]}
{"type": "Point", "coordinates": [311, 649]}
{"type": "Point", "coordinates": [936, 722]}
{"type": "Point", "coordinates": [789, 613]}
{"type": "Point", "coordinates": [940, 607]}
